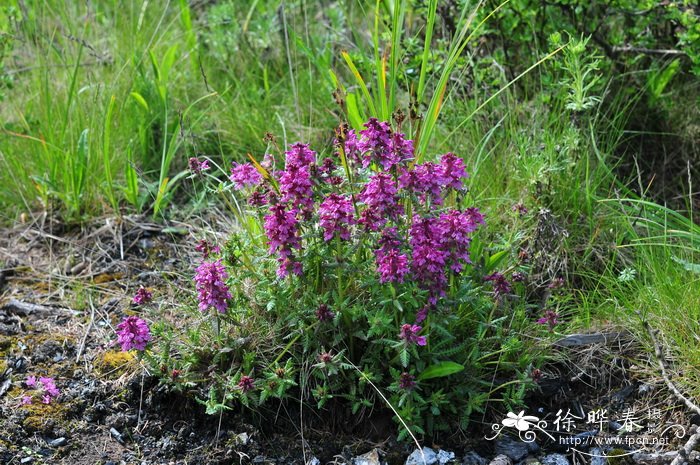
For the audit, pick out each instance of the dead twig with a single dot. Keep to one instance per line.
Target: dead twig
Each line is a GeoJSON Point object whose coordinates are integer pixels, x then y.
{"type": "Point", "coordinates": [647, 51]}
{"type": "Point", "coordinates": [687, 448]}
{"type": "Point", "coordinates": [26, 308]}
{"type": "Point", "coordinates": [658, 353]}
{"type": "Point", "coordinates": [87, 331]}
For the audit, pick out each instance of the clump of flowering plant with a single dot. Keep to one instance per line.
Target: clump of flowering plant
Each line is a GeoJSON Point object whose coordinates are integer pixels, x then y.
{"type": "Point", "coordinates": [43, 389]}
{"type": "Point", "coordinates": [352, 266]}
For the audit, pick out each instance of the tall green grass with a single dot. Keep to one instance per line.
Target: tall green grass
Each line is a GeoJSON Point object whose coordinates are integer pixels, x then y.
{"type": "Point", "coordinates": [110, 99]}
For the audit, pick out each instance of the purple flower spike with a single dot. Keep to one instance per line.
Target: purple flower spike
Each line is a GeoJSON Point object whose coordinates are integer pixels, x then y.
{"type": "Point", "coordinates": [324, 313]}
{"type": "Point", "coordinates": [246, 383]}
{"type": "Point", "coordinates": [453, 171]}
{"type": "Point", "coordinates": [375, 143]}
{"type": "Point", "coordinates": [205, 248]}
{"type": "Point", "coordinates": [197, 166]}
{"type": "Point", "coordinates": [501, 286]}
{"type": "Point", "coordinates": [133, 333]}
{"type": "Point", "coordinates": [299, 155]}
{"type": "Point", "coordinates": [143, 296]}
{"type": "Point", "coordinates": [425, 180]}
{"type": "Point", "coordinates": [407, 381]}
{"type": "Point", "coordinates": [336, 214]}
{"type": "Point", "coordinates": [392, 266]}
{"type": "Point", "coordinates": [211, 286]}
{"type": "Point", "coordinates": [422, 314]}
{"type": "Point", "coordinates": [296, 187]}
{"type": "Point", "coordinates": [409, 333]}
{"type": "Point", "coordinates": [550, 318]}
{"type": "Point", "coordinates": [245, 174]}
{"type": "Point", "coordinates": [282, 230]}
{"type": "Point", "coordinates": [380, 196]}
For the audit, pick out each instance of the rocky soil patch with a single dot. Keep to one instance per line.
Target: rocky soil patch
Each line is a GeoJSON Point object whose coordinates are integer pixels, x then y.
{"type": "Point", "coordinates": [63, 291]}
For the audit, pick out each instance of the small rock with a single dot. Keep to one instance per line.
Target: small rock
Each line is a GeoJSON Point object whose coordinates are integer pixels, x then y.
{"type": "Point", "coordinates": [554, 459]}
{"type": "Point", "coordinates": [259, 459]}
{"type": "Point", "coordinates": [516, 450]}
{"type": "Point", "coordinates": [27, 460]}
{"type": "Point", "coordinates": [426, 457]}
{"type": "Point", "coordinates": [116, 435]}
{"type": "Point", "coordinates": [598, 457]}
{"type": "Point", "coordinates": [501, 460]}
{"type": "Point", "coordinates": [472, 458]}
{"type": "Point", "coordinates": [615, 426]}
{"type": "Point", "coordinates": [313, 461]}
{"type": "Point", "coordinates": [370, 458]}
{"type": "Point", "coordinates": [443, 456]}
{"type": "Point", "coordinates": [242, 439]}
{"type": "Point", "coordinates": [58, 442]}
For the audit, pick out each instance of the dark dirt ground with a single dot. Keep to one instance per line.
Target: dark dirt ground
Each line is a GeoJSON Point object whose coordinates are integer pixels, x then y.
{"type": "Point", "coordinates": [62, 292]}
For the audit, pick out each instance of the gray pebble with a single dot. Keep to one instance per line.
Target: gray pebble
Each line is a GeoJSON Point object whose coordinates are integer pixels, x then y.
{"type": "Point", "coordinates": [516, 450]}
{"type": "Point", "coordinates": [472, 458]}
{"type": "Point", "coordinates": [58, 442]}
{"type": "Point", "coordinates": [598, 456]}
{"type": "Point", "coordinates": [554, 459]}
{"type": "Point", "coordinates": [428, 457]}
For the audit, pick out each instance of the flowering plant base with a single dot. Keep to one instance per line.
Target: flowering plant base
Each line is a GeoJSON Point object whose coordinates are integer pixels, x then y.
{"type": "Point", "coordinates": [353, 273]}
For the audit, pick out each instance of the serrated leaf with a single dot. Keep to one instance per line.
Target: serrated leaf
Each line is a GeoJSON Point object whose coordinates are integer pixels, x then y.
{"type": "Point", "coordinates": [440, 370]}
{"type": "Point", "coordinates": [404, 357]}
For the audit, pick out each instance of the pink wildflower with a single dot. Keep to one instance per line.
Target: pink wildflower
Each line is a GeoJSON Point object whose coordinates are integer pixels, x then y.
{"type": "Point", "coordinates": [550, 318]}
{"type": "Point", "coordinates": [407, 381]}
{"type": "Point", "coordinates": [409, 333]}
{"type": "Point", "coordinates": [210, 279]}
{"type": "Point", "coordinates": [245, 174]}
{"type": "Point", "coordinates": [324, 313]}
{"type": "Point", "coordinates": [132, 333]}
{"type": "Point", "coordinates": [336, 214]}
{"type": "Point", "coordinates": [197, 166]}
{"type": "Point", "coordinates": [501, 286]}
{"type": "Point", "coordinates": [142, 296]}
{"type": "Point", "coordinates": [281, 228]}
{"type": "Point", "coordinates": [246, 383]}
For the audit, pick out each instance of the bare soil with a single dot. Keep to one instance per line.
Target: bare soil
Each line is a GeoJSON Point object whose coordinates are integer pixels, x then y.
{"type": "Point", "coordinates": [64, 289]}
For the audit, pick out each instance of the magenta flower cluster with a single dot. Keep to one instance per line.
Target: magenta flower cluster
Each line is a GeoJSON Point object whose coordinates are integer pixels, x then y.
{"type": "Point", "coordinates": [380, 195]}
{"type": "Point", "coordinates": [282, 229]}
{"type": "Point", "coordinates": [197, 166]}
{"type": "Point", "coordinates": [245, 174]}
{"type": "Point", "coordinates": [212, 290]}
{"type": "Point", "coordinates": [45, 386]}
{"type": "Point", "coordinates": [409, 334]}
{"type": "Point", "coordinates": [501, 286]}
{"type": "Point", "coordinates": [441, 243]}
{"type": "Point", "coordinates": [336, 215]}
{"type": "Point", "coordinates": [205, 248]}
{"type": "Point", "coordinates": [431, 181]}
{"type": "Point", "coordinates": [142, 296]}
{"type": "Point", "coordinates": [425, 246]}
{"type": "Point", "coordinates": [133, 333]}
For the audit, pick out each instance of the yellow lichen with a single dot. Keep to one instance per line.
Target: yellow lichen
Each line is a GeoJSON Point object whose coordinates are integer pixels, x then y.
{"type": "Point", "coordinates": [40, 415]}
{"type": "Point", "coordinates": [115, 362]}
